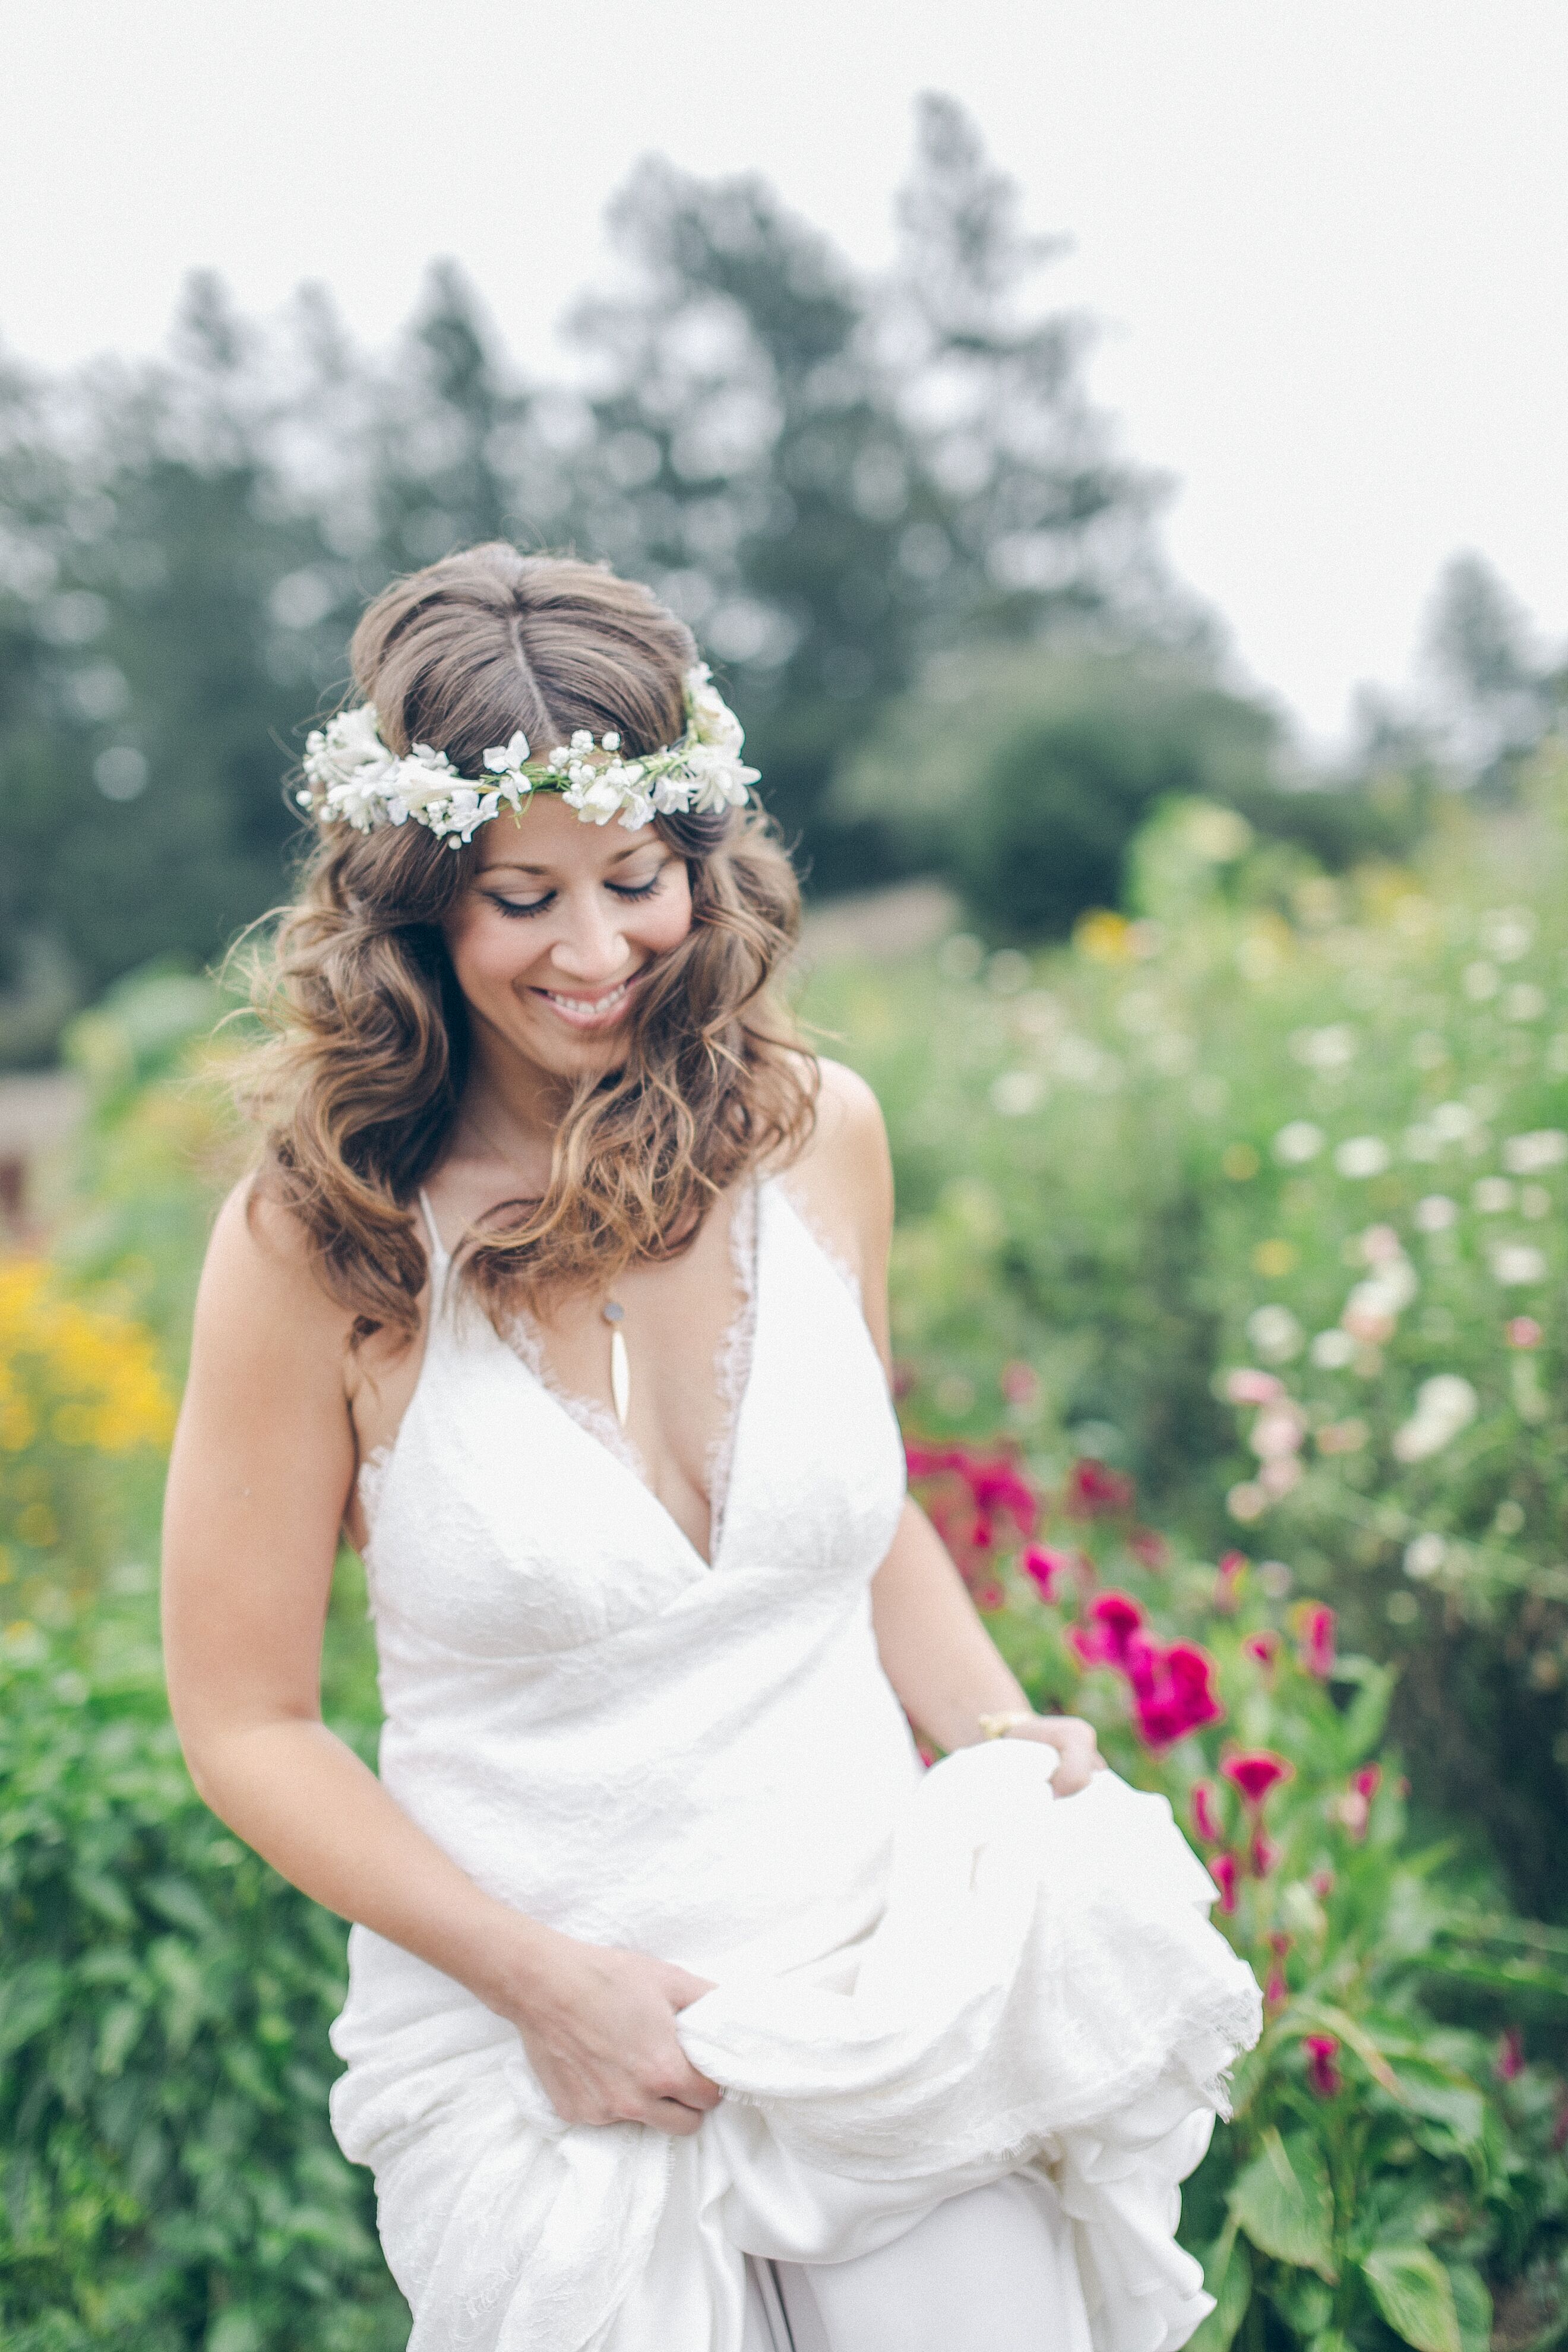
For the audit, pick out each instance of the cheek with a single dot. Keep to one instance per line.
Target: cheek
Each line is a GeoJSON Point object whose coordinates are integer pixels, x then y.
{"type": "Point", "coordinates": [665, 921]}
{"type": "Point", "coordinates": [486, 951]}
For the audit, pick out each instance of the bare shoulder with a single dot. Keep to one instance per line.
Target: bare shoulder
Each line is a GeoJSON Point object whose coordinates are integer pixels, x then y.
{"type": "Point", "coordinates": [260, 1294]}
{"type": "Point", "coordinates": [844, 1179]}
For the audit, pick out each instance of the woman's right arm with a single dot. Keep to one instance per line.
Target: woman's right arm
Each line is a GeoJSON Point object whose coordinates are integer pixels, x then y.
{"type": "Point", "coordinates": [263, 1461]}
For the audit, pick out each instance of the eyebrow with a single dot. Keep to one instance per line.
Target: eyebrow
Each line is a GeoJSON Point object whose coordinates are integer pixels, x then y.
{"type": "Point", "coordinates": [516, 864]}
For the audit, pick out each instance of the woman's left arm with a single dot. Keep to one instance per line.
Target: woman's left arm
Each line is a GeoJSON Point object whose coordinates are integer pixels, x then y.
{"type": "Point", "coordinates": [947, 1672]}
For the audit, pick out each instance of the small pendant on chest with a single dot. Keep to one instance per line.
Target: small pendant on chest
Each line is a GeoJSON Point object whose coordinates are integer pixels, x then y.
{"type": "Point", "coordinates": [620, 1366]}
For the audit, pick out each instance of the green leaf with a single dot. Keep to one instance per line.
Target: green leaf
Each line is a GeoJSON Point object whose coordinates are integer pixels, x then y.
{"type": "Point", "coordinates": [1444, 2096]}
{"type": "Point", "coordinates": [1361, 1726]}
{"type": "Point", "coordinates": [1410, 2287]}
{"type": "Point", "coordinates": [1474, 2306]}
{"type": "Point", "coordinates": [1227, 2275]}
{"type": "Point", "coordinates": [1284, 2203]}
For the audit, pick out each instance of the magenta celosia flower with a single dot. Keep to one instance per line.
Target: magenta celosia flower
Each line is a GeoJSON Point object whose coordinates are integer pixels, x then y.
{"type": "Point", "coordinates": [1094, 1491]}
{"type": "Point", "coordinates": [989, 1596]}
{"type": "Point", "coordinates": [1508, 2063]}
{"type": "Point", "coordinates": [1276, 1989]}
{"type": "Point", "coordinates": [1262, 1853]}
{"type": "Point", "coordinates": [999, 1486]}
{"type": "Point", "coordinates": [1045, 1567]}
{"type": "Point", "coordinates": [1223, 1870]}
{"type": "Point", "coordinates": [1321, 1883]}
{"type": "Point", "coordinates": [1206, 1812]}
{"type": "Point", "coordinates": [1264, 1647]}
{"type": "Point", "coordinates": [1323, 2075]}
{"type": "Point", "coordinates": [1316, 1649]}
{"type": "Point", "coordinates": [929, 1461]}
{"type": "Point", "coordinates": [1257, 1773]}
{"type": "Point", "coordinates": [1173, 1691]}
{"type": "Point", "coordinates": [1113, 1618]}
{"type": "Point", "coordinates": [1148, 1548]}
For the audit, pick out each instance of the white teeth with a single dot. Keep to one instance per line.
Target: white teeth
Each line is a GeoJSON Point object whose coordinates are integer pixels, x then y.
{"type": "Point", "coordinates": [594, 1004]}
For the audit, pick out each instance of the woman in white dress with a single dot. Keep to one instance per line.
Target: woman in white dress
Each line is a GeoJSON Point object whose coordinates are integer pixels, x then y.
{"type": "Point", "coordinates": [687, 2014]}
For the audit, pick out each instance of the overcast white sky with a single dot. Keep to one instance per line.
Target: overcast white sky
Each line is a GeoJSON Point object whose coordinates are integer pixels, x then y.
{"type": "Point", "coordinates": [1326, 237]}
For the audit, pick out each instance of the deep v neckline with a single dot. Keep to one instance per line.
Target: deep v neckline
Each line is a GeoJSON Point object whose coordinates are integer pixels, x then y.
{"type": "Point", "coordinates": [584, 1412]}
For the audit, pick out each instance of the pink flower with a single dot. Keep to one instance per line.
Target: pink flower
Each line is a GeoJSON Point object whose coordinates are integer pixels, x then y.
{"type": "Point", "coordinates": [1206, 1811]}
{"type": "Point", "coordinates": [1264, 1647]}
{"type": "Point", "coordinates": [1044, 1567]}
{"type": "Point", "coordinates": [1523, 1331]}
{"type": "Point", "coordinates": [1223, 1870]}
{"type": "Point", "coordinates": [989, 1597]}
{"type": "Point", "coordinates": [1317, 1640]}
{"type": "Point", "coordinates": [1020, 1383]}
{"type": "Point", "coordinates": [1321, 1883]}
{"type": "Point", "coordinates": [998, 1486]}
{"type": "Point", "coordinates": [1257, 1773]}
{"type": "Point", "coordinates": [1355, 1808]}
{"type": "Point", "coordinates": [1249, 1387]}
{"type": "Point", "coordinates": [1508, 2063]}
{"type": "Point", "coordinates": [1227, 1577]}
{"type": "Point", "coordinates": [929, 1461]}
{"type": "Point", "coordinates": [1113, 1619]}
{"type": "Point", "coordinates": [1148, 1548]}
{"type": "Point", "coordinates": [1323, 2075]}
{"type": "Point", "coordinates": [1173, 1691]}
{"type": "Point", "coordinates": [1097, 1492]}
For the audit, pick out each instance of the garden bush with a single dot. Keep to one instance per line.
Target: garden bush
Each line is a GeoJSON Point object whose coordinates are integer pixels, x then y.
{"type": "Point", "coordinates": [1115, 1248]}
{"type": "Point", "coordinates": [1389, 2170]}
{"type": "Point", "coordinates": [1262, 1193]}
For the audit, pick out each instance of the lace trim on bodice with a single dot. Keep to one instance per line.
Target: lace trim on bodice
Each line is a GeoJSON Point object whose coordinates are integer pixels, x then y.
{"type": "Point", "coordinates": [733, 1363]}
{"type": "Point", "coordinates": [732, 1367]}
{"type": "Point", "coordinates": [524, 1341]}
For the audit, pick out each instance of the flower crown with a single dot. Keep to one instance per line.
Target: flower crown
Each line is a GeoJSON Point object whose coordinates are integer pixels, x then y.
{"type": "Point", "coordinates": [352, 778]}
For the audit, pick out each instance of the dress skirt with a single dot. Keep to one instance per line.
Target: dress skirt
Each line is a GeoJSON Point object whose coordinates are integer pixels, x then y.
{"type": "Point", "coordinates": [992, 2271]}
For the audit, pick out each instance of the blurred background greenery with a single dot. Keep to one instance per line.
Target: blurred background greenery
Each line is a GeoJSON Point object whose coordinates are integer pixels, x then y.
{"type": "Point", "coordinates": [1228, 1096]}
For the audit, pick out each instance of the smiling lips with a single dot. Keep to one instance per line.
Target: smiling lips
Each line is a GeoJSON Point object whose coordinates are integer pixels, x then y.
{"type": "Point", "coordinates": [585, 1012]}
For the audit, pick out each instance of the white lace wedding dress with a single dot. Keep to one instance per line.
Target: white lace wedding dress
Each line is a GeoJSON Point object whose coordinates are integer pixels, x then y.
{"type": "Point", "coordinates": [972, 2037]}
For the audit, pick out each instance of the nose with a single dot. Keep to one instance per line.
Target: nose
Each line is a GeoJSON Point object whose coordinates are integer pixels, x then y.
{"type": "Point", "coordinates": [590, 947]}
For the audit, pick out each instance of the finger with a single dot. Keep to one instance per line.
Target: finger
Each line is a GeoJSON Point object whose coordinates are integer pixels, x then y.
{"type": "Point", "coordinates": [684, 1988]}
{"type": "Point", "coordinates": [692, 2089]}
{"type": "Point", "coordinates": [671, 2115]}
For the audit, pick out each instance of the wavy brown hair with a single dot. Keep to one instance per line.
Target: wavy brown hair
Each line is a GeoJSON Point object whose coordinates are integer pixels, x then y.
{"type": "Point", "coordinates": [358, 1086]}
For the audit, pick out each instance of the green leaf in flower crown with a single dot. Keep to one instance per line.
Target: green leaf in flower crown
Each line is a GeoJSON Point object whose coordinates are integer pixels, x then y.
{"type": "Point", "coordinates": [1411, 2289]}
{"type": "Point", "coordinates": [1284, 2203]}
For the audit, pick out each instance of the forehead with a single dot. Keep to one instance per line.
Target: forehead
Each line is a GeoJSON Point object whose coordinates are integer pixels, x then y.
{"type": "Point", "coordinates": [547, 837]}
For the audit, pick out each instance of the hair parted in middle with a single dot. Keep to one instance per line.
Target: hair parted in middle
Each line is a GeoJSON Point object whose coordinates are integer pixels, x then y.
{"type": "Point", "coordinates": [358, 1087]}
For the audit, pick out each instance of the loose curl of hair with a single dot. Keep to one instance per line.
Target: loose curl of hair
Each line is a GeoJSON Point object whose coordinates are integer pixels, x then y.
{"type": "Point", "coordinates": [358, 1086]}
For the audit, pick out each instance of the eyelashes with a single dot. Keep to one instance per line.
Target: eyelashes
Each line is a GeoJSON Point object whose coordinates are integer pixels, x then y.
{"type": "Point", "coordinates": [510, 907]}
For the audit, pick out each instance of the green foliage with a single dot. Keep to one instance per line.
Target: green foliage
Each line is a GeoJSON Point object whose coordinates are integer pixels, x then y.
{"type": "Point", "coordinates": [1026, 774]}
{"type": "Point", "coordinates": [169, 2178]}
{"type": "Point", "coordinates": [1385, 2165]}
{"type": "Point", "coordinates": [1182, 1153]}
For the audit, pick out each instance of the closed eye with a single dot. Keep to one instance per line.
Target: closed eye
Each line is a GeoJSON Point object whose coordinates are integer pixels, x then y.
{"type": "Point", "coordinates": [538, 906]}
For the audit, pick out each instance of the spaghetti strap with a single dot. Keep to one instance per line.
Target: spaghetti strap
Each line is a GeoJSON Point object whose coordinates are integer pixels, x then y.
{"type": "Point", "coordinates": [440, 1256]}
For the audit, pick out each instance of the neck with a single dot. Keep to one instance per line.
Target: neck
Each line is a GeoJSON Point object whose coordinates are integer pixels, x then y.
{"type": "Point", "coordinates": [512, 1105]}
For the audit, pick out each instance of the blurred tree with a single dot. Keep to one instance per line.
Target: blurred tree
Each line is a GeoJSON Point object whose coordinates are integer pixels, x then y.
{"type": "Point", "coordinates": [1496, 691]}
{"type": "Point", "coordinates": [143, 740]}
{"type": "Point", "coordinates": [829, 477]}
{"type": "Point", "coordinates": [1026, 771]}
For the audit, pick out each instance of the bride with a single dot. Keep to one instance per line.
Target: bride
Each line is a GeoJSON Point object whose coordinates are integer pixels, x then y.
{"type": "Point", "coordinates": [686, 2012]}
